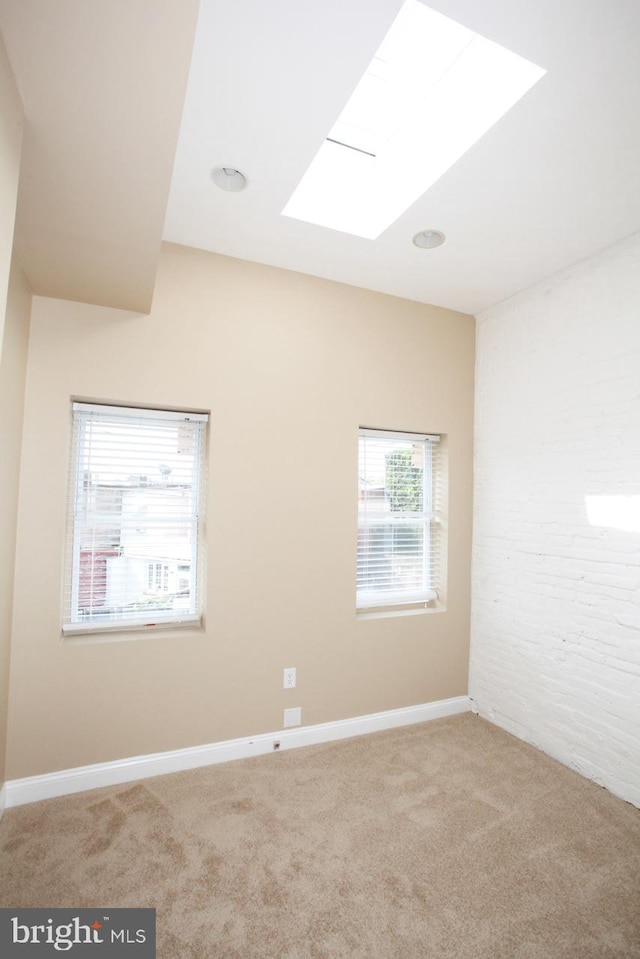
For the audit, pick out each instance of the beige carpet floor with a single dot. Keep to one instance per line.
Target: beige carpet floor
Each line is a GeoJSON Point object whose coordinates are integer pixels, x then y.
{"type": "Point", "coordinates": [448, 839]}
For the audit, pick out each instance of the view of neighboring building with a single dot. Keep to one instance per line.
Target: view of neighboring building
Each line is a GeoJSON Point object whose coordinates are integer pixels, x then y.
{"type": "Point", "coordinates": [134, 516]}
{"type": "Point", "coordinates": [135, 547]}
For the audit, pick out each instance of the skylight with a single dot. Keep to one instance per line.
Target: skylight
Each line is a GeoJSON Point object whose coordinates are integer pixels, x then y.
{"type": "Point", "coordinates": [431, 91]}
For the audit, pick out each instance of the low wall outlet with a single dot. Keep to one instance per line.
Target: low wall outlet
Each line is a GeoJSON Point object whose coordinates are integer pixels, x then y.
{"type": "Point", "coordinates": [292, 717]}
{"type": "Point", "coordinates": [289, 678]}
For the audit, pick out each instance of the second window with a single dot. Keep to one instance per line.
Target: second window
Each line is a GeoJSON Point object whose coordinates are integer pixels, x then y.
{"type": "Point", "coordinates": [399, 534]}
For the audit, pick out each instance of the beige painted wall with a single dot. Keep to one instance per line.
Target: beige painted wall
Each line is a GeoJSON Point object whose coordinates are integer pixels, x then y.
{"type": "Point", "coordinates": [12, 366]}
{"type": "Point", "coordinates": [13, 371]}
{"type": "Point", "coordinates": [11, 121]}
{"type": "Point", "coordinates": [289, 366]}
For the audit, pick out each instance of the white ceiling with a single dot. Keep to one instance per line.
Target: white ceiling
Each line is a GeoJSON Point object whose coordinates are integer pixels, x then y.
{"type": "Point", "coordinates": [556, 179]}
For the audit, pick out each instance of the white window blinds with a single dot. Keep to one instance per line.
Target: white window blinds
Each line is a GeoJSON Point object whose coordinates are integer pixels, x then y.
{"type": "Point", "coordinates": [135, 528]}
{"type": "Point", "coordinates": [398, 521]}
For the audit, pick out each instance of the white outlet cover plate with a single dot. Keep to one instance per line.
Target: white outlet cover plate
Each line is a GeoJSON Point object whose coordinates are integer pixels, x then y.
{"type": "Point", "coordinates": [293, 717]}
{"type": "Point", "coordinates": [289, 677]}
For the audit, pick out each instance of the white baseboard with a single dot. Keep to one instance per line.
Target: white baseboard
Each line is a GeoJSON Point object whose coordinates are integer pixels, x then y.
{"type": "Point", "coordinates": [34, 788]}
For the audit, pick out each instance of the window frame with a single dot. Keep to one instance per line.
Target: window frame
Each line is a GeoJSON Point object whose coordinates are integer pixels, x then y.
{"type": "Point", "coordinates": [196, 423]}
{"type": "Point", "coordinates": [386, 600]}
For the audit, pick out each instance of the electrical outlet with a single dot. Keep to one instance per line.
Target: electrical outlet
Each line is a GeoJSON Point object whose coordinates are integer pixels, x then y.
{"type": "Point", "coordinates": [289, 680]}
{"type": "Point", "coordinates": [293, 717]}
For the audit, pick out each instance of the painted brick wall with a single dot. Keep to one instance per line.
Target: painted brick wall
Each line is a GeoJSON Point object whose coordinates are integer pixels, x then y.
{"type": "Point", "coordinates": [555, 655]}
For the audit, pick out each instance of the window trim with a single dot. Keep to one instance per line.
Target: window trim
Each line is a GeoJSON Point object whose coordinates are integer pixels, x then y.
{"type": "Point", "coordinates": [374, 603]}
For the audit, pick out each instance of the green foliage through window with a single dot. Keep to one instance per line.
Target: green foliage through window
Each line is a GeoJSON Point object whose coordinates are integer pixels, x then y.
{"type": "Point", "coordinates": [404, 481]}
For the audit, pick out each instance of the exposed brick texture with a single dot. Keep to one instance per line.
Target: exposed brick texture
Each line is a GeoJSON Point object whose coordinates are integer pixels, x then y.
{"type": "Point", "coordinates": [555, 654]}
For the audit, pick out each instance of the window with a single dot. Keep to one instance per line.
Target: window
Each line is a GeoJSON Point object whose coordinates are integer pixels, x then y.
{"type": "Point", "coordinates": [158, 577]}
{"type": "Point", "coordinates": [399, 532]}
{"type": "Point", "coordinates": [135, 526]}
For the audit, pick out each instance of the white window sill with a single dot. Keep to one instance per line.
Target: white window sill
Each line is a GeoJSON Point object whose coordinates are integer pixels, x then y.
{"type": "Point", "coordinates": [119, 632]}
{"type": "Point", "coordinates": [398, 611]}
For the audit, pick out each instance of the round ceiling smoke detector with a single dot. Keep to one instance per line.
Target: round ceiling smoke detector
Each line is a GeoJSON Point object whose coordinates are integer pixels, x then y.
{"type": "Point", "coordinates": [429, 239]}
{"type": "Point", "coordinates": [229, 179]}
